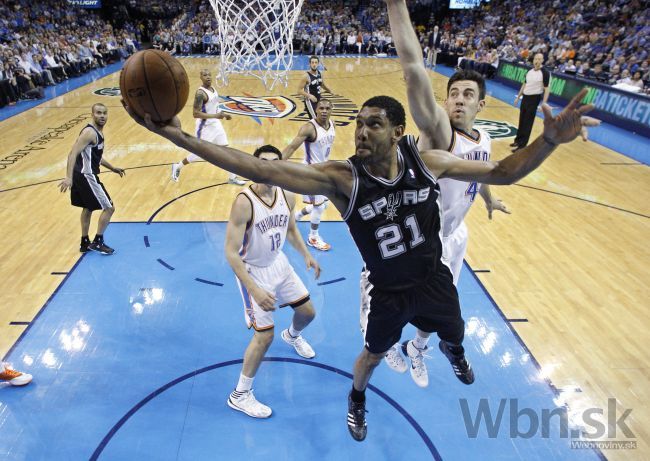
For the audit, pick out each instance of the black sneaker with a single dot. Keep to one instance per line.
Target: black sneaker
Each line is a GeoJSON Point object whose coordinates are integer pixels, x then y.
{"type": "Point", "coordinates": [462, 368]}
{"type": "Point", "coordinates": [357, 420]}
{"type": "Point", "coordinates": [101, 247]}
{"type": "Point", "coordinates": [84, 246]}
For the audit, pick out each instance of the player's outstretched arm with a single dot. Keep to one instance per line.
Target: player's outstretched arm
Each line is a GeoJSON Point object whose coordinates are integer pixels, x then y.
{"type": "Point", "coordinates": [240, 214]}
{"type": "Point", "coordinates": [430, 118]}
{"type": "Point", "coordinates": [560, 129]}
{"type": "Point", "coordinates": [331, 179]}
{"type": "Point", "coordinates": [306, 132]}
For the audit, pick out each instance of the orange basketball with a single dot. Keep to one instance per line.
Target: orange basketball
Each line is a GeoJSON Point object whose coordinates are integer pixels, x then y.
{"type": "Point", "coordinates": [154, 82]}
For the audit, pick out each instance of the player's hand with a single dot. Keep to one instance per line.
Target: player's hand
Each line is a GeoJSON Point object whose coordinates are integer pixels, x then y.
{"type": "Point", "coordinates": [496, 205]}
{"type": "Point", "coordinates": [311, 262]}
{"type": "Point", "coordinates": [264, 299]}
{"type": "Point", "coordinates": [170, 129]}
{"type": "Point", "coordinates": [312, 98]}
{"type": "Point", "coordinates": [226, 116]}
{"type": "Point", "coordinates": [119, 171]}
{"type": "Point", "coordinates": [570, 123]}
{"type": "Point", "coordinates": [65, 184]}
{"type": "Point", "coordinates": [516, 101]}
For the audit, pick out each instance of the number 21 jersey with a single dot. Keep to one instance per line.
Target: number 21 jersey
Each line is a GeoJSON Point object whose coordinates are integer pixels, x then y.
{"type": "Point", "coordinates": [396, 224]}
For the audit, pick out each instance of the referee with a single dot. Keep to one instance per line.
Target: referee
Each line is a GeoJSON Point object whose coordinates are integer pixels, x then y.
{"type": "Point", "coordinates": [534, 89]}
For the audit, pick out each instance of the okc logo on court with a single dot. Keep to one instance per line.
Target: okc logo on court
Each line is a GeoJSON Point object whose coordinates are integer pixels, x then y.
{"type": "Point", "coordinates": [265, 106]}
{"type": "Point", "coordinates": [113, 91]}
{"type": "Point", "coordinates": [496, 129]}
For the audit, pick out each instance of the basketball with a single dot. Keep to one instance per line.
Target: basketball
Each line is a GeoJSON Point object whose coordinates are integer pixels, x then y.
{"type": "Point", "coordinates": [154, 82]}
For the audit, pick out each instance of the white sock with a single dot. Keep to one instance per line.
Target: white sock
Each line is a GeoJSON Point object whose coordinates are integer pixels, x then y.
{"type": "Point", "coordinates": [180, 165]}
{"type": "Point", "coordinates": [245, 383]}
{"type": "Point", "coordinates": [293, 332]}
{"type": "Point", "coordinates": [313, 232]}
{"type": "Point", "coordinates": [233, 176]}
{"type": "Point", "coordinates": [420, 342]}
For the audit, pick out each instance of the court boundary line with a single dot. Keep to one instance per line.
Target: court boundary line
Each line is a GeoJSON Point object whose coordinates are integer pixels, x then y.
{"type": "Point", "coordinates": [520, 340]}
{"type": "Point", "coordinates": [42, 309]}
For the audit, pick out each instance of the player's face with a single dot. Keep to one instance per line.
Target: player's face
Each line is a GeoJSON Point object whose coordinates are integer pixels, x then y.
{"type": "Point", "coordinates": [268, 156]}
{"type": "Point", "coordinates": [313, 64]}
{"type": "Point", "coordinates": [100, 115]}
{"type": "Point", "coordinates": [374, 133]}
{"type": "Point", "coordinates": [463, 103]}
{"type": "Point", "coordinates": [206, 78]}
{"type": "Point", "coordinates": [323, 112]}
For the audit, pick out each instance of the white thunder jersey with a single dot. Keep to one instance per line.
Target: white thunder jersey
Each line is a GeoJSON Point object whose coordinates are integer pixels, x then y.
{"type": "Point", "coordinates": [458, 196]}
{"type": "Point", "coordinates": [211, 106]}
{"type": "Point", "coordinates": [319, 150]}
{"type": "Point", "coordinates": [266, 233]}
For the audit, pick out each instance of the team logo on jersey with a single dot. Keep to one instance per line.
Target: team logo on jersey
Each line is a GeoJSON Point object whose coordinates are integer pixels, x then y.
{"type": "Point", "coordinates": [496, 129]}
{"type": "Point", "coordinates": [265, 106]}
{"type": "Point", "coordinates": [113, 91]}
{"type": "Point", "coordinates": [394, 201]}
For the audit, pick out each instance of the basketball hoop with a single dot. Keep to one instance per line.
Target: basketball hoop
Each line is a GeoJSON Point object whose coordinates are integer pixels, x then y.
{"type": "Point", "coordinates": [256, 38]}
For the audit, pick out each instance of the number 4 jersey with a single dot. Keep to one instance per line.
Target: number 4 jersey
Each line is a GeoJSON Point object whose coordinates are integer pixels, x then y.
{"type": "Point", "coordinates": [396, 224]}
{"type": "Point", "coordinates": [458, 196]}
{"type": "Point", "coordinates": [266, 232]}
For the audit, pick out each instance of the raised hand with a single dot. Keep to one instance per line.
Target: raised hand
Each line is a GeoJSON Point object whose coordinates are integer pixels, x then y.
{"type": "Point", "coordinates": [569, 123]}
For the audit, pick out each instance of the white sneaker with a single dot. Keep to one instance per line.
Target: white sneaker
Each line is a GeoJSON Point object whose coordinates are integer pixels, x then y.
{"type": "Point", "coordinates": [13, 377]}
{"type": "Point", "coordinates": [318, 243]}
{"type": "Point", "coordinates": [395, 360]}
{"type": "Point", "coordinates": [418, 367]}
{"type": "Point", "coordinates": [247, 403]}
{"type": "Point", "coordinates": [235, 180]}
{"type": "Point", "coordinates": [301, 346]}
{"type": "Point", "coordinates": [176, 171]}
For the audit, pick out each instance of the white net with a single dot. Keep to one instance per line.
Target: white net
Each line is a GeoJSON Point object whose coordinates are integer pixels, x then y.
{"type": "Point", "coordinates": [256, 38]}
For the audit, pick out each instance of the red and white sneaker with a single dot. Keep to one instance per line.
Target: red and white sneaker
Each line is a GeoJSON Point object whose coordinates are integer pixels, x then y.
{"type": "Point", "coordinates": [318, 243]}
{"type": "Point", "coordinates": [13, 377]}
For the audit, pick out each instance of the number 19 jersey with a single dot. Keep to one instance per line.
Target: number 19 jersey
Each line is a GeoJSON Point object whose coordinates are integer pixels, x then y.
{"type": "Point", "coordinates": [396, 224]}
{"type": "Point", "coordinates": [267, 230]}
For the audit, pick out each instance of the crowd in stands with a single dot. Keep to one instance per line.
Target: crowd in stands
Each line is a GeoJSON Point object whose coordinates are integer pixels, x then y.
{"type": "Point", "coordinates": [44, 43]}
{"type": "Point", "coordinates": [607, 41]}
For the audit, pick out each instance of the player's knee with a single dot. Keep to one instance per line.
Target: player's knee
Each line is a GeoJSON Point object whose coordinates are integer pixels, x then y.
{"type": "Point", "coordinates": [317, 213]}
{"type": "Point", "coordinates": [307, 311]}
{"type": "Point", "coordinates": [264, 338]}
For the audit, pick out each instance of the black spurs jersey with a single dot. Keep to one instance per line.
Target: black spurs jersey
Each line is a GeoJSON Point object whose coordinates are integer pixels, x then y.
{"type": "Point", "coordinates": [396, 224]}
{"type": "Point", "coordinates": [88, 161]}
{"type": "Point", "coordinates": [314, 84]}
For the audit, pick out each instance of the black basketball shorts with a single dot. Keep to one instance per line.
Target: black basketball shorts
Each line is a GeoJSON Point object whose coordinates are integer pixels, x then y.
{"type": "Point", "coordinates": [88, 192]}
{"type": "Point", "coordinates": [431, 306]}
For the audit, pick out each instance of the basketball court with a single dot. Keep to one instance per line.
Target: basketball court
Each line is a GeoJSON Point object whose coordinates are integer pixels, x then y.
{"type": "Point", "coordinates": [134, 355]}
